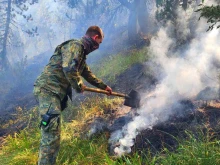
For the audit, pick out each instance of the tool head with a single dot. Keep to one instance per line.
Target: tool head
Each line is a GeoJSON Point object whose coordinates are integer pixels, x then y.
{"type": "Point", "coordinates": [133, 99]}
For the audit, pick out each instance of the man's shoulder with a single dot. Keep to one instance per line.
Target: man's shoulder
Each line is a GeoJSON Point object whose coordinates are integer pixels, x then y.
{"type": "Point", "coordinates": [72, 45]}
{"type": "Point", "coordinates": [72, 42]}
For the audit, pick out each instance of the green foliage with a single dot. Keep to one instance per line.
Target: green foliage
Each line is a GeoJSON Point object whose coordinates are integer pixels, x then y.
{"type": "Point", "coordinates": [212, 14]}
{"type": "Point", "coordinates": [83, 114]}
{"type": "Point", "coordinates": [111, 67]}
{"type": "Point", "coordinates": [20, 148]}
{"type": "Point", "coordinates": [167, 10]}
{"type": "Point", "coordinates": [81, 151]}
{"type": "Point", "coordinates": [199, 147]}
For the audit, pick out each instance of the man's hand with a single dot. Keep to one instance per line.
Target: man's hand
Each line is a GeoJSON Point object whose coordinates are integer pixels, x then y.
{"type": "Point", "coordinates": [81, 89]}
{"type": "Point", "coordinates": [109, 90]}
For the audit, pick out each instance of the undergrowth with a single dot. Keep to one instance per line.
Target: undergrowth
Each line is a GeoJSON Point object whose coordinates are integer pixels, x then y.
{"type": "Point", "coordinates": [112, 66]}
{"type": "Point", "coordinates": [202, 148]}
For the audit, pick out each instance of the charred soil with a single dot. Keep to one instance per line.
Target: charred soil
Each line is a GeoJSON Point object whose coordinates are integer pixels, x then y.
{"type": "Point", "coordinates": [197, 114]}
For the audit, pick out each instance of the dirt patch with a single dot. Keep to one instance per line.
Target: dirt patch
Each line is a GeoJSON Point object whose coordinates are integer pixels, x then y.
{"type": "Point", "coordinates": [166, 134]}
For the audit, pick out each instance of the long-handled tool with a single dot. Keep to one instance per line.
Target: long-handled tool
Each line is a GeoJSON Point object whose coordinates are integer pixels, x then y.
{"type": "Point", "coordinates": [131, 100]}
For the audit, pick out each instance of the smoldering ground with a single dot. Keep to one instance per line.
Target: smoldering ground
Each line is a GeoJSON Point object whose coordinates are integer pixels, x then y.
{"type": "Point", "coordinates": [175, 80]}
{"type": "Point", "coordinates": [183, 74]}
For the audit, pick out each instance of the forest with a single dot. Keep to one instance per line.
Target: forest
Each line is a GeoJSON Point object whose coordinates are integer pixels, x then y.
{"type": "Point", "coordinates": [167, 51]}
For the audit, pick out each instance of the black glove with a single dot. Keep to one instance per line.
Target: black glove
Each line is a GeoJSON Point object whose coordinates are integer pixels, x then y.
{"type": "Point", "coordinates": [80, 88]}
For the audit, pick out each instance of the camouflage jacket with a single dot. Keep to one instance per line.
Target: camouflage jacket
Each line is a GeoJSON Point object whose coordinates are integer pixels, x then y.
{"type": "Point", "coordinates": [64, 69]}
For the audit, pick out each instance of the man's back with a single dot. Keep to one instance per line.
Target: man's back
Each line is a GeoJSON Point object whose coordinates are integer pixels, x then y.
{"type": "Point", "coordinates": [53, 78]}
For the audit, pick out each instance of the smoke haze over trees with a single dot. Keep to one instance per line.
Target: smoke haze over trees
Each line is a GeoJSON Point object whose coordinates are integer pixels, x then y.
{"type": "Point", "coordinates": [31, 29]}
{"type": "Point", "coordinates": [38, 26]}
{"type": "Point", "coordinates": [9, 38]}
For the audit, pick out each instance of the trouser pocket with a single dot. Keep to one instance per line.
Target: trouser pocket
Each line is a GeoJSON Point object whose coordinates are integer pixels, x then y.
{"type": "Point", "coordinates": [50, 122]}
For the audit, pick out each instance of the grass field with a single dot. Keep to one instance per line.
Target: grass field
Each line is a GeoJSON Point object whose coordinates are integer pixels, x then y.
{"type": "Point", "coordinates": [22, 148]}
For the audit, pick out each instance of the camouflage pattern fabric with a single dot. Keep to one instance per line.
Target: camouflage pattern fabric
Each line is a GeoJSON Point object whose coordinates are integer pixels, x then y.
{"type": "Point", "coordinates": [65, 67]}
{"type": "Point", "coordinates": [62, 72]}
{"type": "Point", "coordinates": [50, 135]}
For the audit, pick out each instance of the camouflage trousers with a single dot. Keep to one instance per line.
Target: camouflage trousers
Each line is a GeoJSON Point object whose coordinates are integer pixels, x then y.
{"type": "Point", "coordinates": [50, 135]}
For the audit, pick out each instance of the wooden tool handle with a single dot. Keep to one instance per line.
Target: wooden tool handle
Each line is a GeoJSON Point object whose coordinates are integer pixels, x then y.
{"type": "Point", "coordinates": [96, 90]}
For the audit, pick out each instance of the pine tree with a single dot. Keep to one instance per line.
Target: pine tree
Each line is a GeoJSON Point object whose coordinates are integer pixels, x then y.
{"type": "Point", "coordinates": [9, 10]}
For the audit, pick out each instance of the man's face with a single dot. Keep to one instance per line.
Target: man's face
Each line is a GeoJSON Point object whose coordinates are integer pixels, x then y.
{"type": "Point", "coordinates": [97, 39]}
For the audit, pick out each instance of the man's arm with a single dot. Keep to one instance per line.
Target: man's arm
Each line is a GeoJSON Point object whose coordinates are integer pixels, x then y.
{"type": "Point", "coordinates": [92, 79]}
{"type": "Point", "coordinates": [70, 66]}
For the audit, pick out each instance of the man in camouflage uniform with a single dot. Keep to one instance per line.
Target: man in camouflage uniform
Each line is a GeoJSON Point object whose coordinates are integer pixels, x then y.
{"type": "Point", "coordinates": [54, 85]}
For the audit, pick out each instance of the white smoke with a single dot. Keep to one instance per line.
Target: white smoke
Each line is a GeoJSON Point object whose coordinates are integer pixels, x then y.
{"type": "Point", "coordinates": [185, 73]}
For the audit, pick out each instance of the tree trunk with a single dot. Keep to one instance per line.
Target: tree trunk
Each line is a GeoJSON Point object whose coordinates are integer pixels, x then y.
{"type": "Point", "coordinates": [185, 2]}
{"type": "Point", "coordinates": [90, 5]}
{"type": "Point", "coordinates": [132, 26]}
{"type": "Point", "coordinates": [132, 19]}
{"type": "Point", "coordinates": [138, 19]}
{"type": "Point", "coordinates": [94, 3]}
{"type": "Point", "coordinates": [219, 86]}
{"type": "Point", "coordinates": [143, 17]}
{"type": "Point", "coordinates": [3, 55]}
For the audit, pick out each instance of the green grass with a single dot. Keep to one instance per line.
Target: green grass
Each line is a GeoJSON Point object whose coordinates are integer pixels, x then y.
{"type": "Point", "coordinates": [197, 148]}
{"type": "Point", "coordinates": [112, 66]}
{"type": "Point", "coordinates": [22, 148]}
{"type": "Point", "coordinates": [200, 149]}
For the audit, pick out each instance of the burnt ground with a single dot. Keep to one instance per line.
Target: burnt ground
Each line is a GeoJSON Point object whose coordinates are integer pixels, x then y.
{"type": "Point", "coordinates": [204, 119]}
{"type": "Point", "coordinates": [21, 96]}
{"type": "Point", "coordinates": [161, 135]}
{"type": "Point", "coordinates": [19, 99]}
{"type": "Point", "coordinates": [196, 117]}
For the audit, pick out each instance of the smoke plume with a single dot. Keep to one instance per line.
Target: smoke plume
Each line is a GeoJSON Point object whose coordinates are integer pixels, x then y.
{"type": "Point", "coordinates": [186, 69]}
